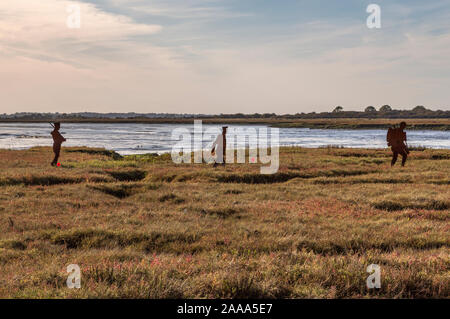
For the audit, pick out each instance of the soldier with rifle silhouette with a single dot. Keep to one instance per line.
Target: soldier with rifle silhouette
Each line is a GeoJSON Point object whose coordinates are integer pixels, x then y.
{"type": "Point", "coordinates": [58, 139]}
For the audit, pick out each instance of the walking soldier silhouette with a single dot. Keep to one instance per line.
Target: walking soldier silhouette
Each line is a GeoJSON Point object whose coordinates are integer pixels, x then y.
{"type": "Point", "coordinates": [396, 139]}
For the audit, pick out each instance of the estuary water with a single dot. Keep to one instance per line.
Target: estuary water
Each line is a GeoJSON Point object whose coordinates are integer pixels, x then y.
{"type": "Point", "coordinates": [126, 138]}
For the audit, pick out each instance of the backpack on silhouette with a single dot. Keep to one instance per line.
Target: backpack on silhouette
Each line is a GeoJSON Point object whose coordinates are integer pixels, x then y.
{"type": "Point", "coordinates": [390, 137]}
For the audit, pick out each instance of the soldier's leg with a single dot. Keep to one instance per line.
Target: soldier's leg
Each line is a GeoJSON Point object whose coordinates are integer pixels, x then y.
{"type": "Point", "coordinates": [394, 157]}
{"type": "Point", "coordinates": [219, 153]}
{"type": "Point", "coordinates": [224, 155]}
{"type": "Point", "coordinates": [404, 157]}
{"type": "Point", "coordinates": [56, 150]}
{"type": "Point", "coordinates": [54, 157]}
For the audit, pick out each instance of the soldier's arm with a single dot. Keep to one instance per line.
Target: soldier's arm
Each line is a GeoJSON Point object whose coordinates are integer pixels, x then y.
{"type": "Point", "coordinates": [217, 141]}
{"type": "Point", "coordinates": [61, 138]}
{"type": "Point", "coordinates": [214, 145]}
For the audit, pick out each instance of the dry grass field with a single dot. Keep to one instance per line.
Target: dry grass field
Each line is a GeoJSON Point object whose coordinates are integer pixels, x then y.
{"type": "Point", "coordinates": [144, 227]}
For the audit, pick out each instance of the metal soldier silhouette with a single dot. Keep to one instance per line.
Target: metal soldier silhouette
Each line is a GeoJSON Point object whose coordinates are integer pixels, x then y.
{"type": "Point", "coordinates": [58, 139]}
{"type": "Point", "coordinates": [396, 139]}
{"type": "Point", "coordinates": [219, 147]}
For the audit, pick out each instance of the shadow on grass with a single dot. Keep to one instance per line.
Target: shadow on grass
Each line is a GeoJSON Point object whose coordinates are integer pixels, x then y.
{"type": "Point", "coordinates": [391, 205]}
{"type": "Point", "coordinates": [221, 213]}
{"type": "Point", "coordinates": [171, 198]}
{"type": "Point", "coordinates": [13, 244]}
{"type": "Point", "coordinates": [233, 192]}
{"type": "Point", "coordinates": [284, 177]}
{"type": "Point", "coordinates": [149, 242]}
{"type": "Point", "coordinates": [362, 246]}
{"type": "Point", "coordinates": [41, 180]}
{"type": "Point", "coordinates": [246, 287]}
{"type": "Point", "coordinates": [326, 181]}
{"type": "Point", "coordinates": [128, 176]}
{"type": "Point", "coordinates": [120, 191]}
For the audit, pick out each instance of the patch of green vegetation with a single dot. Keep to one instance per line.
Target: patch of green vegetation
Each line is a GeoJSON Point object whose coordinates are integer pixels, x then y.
{"type": "Point", "coordinates": [149, 158]}
{"type": "Point", "coordinates": [91, 151]}
{"type": "Point", "coordinates": [104, 164]}
{"type": "Point", "coordinates": [360, 126]}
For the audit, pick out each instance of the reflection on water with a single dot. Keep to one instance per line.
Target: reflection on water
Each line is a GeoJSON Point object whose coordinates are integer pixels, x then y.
{"type": "Point", "coordinates": [157, 138]}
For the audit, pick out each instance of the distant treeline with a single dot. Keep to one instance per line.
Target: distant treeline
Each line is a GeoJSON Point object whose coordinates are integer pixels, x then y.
{"type": "Point", "coordinates": [341, 114]}
{"type": "Point", "coordinates": [370, 112]}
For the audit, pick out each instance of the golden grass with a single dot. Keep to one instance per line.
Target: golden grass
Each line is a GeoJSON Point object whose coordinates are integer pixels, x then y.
{"type": "Point", "coordinates": [144, 227]}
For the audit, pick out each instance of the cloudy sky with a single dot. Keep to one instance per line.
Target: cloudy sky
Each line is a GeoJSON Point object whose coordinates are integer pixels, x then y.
{"type": "Point", "coordinates": [222, 56]}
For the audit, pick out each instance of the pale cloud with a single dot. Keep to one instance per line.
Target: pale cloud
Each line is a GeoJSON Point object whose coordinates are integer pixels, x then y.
{"type": "Point", "coordinates": [186, 9]}
{"type": "Point", "coordinates": [37, 29]}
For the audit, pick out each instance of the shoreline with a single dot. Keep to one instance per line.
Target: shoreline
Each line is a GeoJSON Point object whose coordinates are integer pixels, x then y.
{"type": "Point", "coordinates": [283, 148]}
{"type": "Point", "coordinates": [321, 123]}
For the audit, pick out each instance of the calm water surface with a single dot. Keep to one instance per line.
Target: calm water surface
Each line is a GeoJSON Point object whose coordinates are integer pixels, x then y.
{"type": "Point", "coordinates": [157, 138]}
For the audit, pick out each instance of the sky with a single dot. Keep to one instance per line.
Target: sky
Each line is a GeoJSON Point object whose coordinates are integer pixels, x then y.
{"type": "Point", "coordinates": [222, 56]}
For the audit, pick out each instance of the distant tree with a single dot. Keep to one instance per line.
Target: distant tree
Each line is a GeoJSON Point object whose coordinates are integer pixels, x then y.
{"type": "Point", "coordinates": [338, 109]}
{"type": "Point", "coordinates": [385, 108]}
{"type": "Point", "coordinates": [419, 108]}
{"type": "Point", "coordinates": [370, 109]}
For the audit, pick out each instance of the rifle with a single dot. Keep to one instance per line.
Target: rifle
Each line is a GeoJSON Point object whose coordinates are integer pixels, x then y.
{"type": "Point", "coordinates": [52, 124]}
